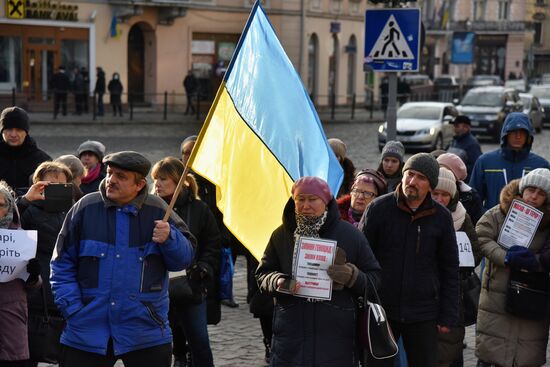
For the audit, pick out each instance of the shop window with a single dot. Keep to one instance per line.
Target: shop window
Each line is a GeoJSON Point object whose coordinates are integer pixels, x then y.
{"type": "Point", "coordinates": [10, 63]}
{"type": "Point", "coordinates": [74, 54]}
{"type": "Point", "coordinates": [351, 50]}
{"type": "Point", "coordinates": [540, 2]}
{"type": "Point", "coordinates": [333, 67]}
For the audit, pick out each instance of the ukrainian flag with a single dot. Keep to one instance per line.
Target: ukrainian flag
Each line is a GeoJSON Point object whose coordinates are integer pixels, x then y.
{"type": "Point", "coordinates": [261, 134]}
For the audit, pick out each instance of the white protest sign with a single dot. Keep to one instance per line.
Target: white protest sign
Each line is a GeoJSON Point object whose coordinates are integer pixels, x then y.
{"type": "Point", "coordinates": [17, 247]}
{"type": "Point", "coordinates": [520, 225]}
{"type": "Point", "coordinates": [465, 254]}
{"type": "Point", "coordinates": [312, 259]}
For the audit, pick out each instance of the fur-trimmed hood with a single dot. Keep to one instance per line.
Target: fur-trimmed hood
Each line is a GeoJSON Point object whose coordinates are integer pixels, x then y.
{"type": "Point", "coordinates": [511, 192]}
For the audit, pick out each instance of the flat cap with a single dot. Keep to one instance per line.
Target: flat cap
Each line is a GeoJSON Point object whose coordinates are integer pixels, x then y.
{"type": "Point", "coordinates": [129, 160]}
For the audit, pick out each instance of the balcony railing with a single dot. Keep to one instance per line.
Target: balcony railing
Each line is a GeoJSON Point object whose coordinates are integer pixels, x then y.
{"type": "Point", "coordinates": [499, 26]}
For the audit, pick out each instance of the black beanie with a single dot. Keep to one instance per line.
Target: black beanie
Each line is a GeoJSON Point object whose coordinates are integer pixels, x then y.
{"type": "Point", "coordinates": [14, 117]}
{"type": "Point", "coordinates": [426, 164]}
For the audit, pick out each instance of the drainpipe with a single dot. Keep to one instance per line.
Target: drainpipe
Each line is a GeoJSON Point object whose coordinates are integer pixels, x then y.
{"type": "Point", "coordinates": [301, 58]}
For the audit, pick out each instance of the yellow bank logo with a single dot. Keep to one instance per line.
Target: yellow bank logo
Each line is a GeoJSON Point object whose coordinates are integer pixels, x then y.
{"type": "Point", "coordinates": [15, 9]}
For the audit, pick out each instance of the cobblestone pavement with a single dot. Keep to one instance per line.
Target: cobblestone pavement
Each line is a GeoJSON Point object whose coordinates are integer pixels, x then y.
{"type": "Point", "coordinates": [236, 340]}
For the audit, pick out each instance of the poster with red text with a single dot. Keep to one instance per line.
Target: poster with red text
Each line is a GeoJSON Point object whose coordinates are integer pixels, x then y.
{"type": "Point", "coordinates": [312, 259]}
{"type": "Point", "coordinates": [520, 225]}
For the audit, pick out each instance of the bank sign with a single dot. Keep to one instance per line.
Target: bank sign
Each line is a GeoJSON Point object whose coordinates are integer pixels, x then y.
{"type": "Point", "coordinates": [41, 9]}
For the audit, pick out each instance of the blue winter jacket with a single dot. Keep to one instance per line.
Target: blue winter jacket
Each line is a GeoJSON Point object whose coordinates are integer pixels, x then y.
{"type": "Point", "coordinates": [493, 170]}
{"type": "Point", "coordinates": [110, 280]}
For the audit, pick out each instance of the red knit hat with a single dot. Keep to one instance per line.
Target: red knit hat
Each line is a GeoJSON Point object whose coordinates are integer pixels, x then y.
{"type": "Point", "coordinates": [455, 164]}
{"type": "Point", "coordinates": [313, 186]}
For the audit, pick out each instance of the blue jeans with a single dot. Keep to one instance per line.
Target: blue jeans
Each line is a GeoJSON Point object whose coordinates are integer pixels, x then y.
{"type": "Point", "coordinates": [192, 319]}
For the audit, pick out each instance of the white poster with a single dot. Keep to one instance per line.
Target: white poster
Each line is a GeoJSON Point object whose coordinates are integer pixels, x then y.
{"type": "Point", "coordinates": [520, 225]}
{"type": "Point", "coordinates": [17, 247]}
{"type": "Point", "coordinates": [313, 257]}
{"type": "Point", "coordinates": [465, 253]}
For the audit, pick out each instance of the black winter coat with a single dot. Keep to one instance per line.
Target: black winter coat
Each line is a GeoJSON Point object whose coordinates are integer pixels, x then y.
{"type": "Point", "coordinates": [320, 334]}
{"type": "Point", "coordinates": [17, 164]}
{"type": "Point", "coordinates": [202, 225]}
{"type": "Point", "coordinates": [48, 225]}
{"type": "Point", "coordinates": [419, 258]}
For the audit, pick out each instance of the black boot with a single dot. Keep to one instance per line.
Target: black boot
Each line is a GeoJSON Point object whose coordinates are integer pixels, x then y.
{"type": "Point", "coordinates": [267, 344]}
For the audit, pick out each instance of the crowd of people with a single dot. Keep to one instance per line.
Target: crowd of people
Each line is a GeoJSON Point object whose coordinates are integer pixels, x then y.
{"type": "Point", "coordinates": [130, 284]}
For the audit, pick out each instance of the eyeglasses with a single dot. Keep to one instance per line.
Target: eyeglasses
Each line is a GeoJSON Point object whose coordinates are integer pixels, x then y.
{"type": "Point", "coordinates": [365, 194]}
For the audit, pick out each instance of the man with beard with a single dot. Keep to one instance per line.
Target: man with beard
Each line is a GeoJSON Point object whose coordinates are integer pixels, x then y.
{"type": "Point", "coordinates": [412, 237]}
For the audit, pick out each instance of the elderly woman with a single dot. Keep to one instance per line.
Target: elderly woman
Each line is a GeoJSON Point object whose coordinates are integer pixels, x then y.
{"type": "Point", "coordinates": [14, 346]}
{"type": "Point", "coordinates": [309, 332]}
{"type": "Point", "coordinates": [450, 344]}
{"type": "Point", "coordinates": [188, 317]}
{"type": "Point", "coordinates": [368, 184]}
{"type": "Point", "coordinates": [504, 339]}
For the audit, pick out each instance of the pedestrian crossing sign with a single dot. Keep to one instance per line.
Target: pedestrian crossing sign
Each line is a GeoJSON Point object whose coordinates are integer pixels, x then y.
{"type": "Point", "coordinates": [392, 39]}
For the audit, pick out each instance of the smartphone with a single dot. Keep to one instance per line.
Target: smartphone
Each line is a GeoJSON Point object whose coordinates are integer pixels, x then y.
{"type": "Point", "coordinates": [58, 197]}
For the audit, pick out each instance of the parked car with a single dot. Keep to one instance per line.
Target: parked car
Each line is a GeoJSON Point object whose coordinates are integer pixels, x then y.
{"type": "Point", "coordinates": [487, 108]}
{"type": "Point", "coordinates": [447, 81]}
{"type": "Point", "coordinates": [518, 84]}
{"type": "Point", "coordinates": [542, 92]}
{"type": "Point", "coordinates": [422, 126]}
{"type": "Point", "coordinates": [446, 88]}
{"type": "Point", "coordinates": [533, 108]}
{"type": "Point", "coordinates": [483, 81]}
{"type": "Point", "coordinates": [420, 86]}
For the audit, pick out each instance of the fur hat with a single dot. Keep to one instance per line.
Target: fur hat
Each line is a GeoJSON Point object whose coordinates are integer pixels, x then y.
{"type": "Point", "coordinates": [395, 149]}
{"type": "Point", "coordinates": [374, 177]}
{"type": "Point", "coordinates": [339, 148]}
{"type": "Point", "coordinates": [539, 178]}
{"type": "Point", "coordinates": [446, 181]}
{"type": "Point", "coordinates": [92, 146]}
{"type": "Point", "coordinates": [14, 117]}
{"type": "Point", "coordinates": [313, 186]}
{"type": "Point", "coordinates": [128, 160]}
{"type": "Point", "coordinates": [425, 164]}
{"type": "Point", "coordinates": [455, 164]}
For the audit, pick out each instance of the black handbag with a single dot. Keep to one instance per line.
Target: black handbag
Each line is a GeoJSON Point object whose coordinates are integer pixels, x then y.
{"type": "Point", "coordinates": [375, 333]}
{"type": "Point", "coordinates": [44, 334]}
{"type": "Point", "coordinates": [471, 288]}
{"type": "Point", "coordinates": [182, 292]}
{"type": "Point", "coordinates": [527, 294]}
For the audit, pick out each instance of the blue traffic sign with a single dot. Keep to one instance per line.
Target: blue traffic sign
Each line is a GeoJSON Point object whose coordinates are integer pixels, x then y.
{"type": "Point", "coordinates": [392, 39]}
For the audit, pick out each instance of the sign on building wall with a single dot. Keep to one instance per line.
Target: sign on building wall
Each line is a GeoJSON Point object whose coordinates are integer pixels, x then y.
{"type": "Point", "coordinates": [42, 9]}
{"type": "Point", "coordinates": [463, 48]}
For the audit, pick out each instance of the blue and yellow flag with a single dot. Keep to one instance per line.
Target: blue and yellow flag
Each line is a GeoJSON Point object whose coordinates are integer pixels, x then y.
{"type": "Point", "coordinates": [261, 134]}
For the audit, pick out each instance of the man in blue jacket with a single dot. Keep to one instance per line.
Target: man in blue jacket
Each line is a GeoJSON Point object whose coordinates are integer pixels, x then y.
{"type": "Point", "coordinates": [493, 170]}
{"type": "Point", "coordinates": [464, 144]}
{"type": "Point", "coordinates": [109, 272]}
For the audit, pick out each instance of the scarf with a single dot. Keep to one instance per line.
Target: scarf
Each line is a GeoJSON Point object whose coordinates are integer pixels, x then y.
{"type": "Point", "coordinates": [354, 216]}
{"type": "Point", "coordinates": [92, 175]}
{"type": "Point", "coordinates": [306, 226]}
{"type": "Point", "coordinates": [459, 215]}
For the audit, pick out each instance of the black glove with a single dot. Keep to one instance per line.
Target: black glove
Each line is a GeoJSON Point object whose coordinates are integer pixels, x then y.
{"type": "Point", "coordinates": [339, 259]}
{"type": "Point", "coordinates": [34, 268]}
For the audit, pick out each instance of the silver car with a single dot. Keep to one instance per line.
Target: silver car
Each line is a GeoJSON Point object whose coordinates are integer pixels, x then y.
{"type": "Point", "coordinates": [422, 126]}
{"type": "Point", "coordinates": [533, 109]}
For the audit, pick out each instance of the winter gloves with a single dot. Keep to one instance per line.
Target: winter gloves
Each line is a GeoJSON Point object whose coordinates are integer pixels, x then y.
{"type": "Point", "coordinates": [520, 257]}
{"type": "Point", "coordinates": [342, 273]}
{"type": "Point", "coordinates": [33, 268]}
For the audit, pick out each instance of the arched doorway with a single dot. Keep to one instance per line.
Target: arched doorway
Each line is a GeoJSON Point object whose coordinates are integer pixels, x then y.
{"type": "Point", "coordinates": [333, 69]}
{"type": "Point", "coordinates": [312, 61]}
{"type": "Point", "coordinates": [351, 49]}
{"type": "Point", "coordinates": [136, 63]}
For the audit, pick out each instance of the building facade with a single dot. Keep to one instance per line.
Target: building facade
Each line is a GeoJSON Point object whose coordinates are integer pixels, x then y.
{"type": "Point", "coordinates": [153, 44]}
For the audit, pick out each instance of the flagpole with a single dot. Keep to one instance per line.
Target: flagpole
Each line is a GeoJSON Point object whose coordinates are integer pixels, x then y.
{"type": "Point", "coordinates": [193, 153]}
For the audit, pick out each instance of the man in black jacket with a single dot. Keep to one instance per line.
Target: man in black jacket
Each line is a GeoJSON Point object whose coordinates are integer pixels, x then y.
{"type": "Point", "coordinates": [61, 85]}
{"type": "Point", "coordinates": [414, 241]}
{"type": "Point", "coordinates": [19, 154]}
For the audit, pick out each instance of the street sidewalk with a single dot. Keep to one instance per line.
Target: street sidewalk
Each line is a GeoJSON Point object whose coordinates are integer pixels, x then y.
{"type": "Point", "coordinates": [147, 116]}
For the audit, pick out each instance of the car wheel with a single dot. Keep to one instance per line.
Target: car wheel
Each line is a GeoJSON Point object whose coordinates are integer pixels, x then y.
{"type": "Point", "coordinates": [438, 144]}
